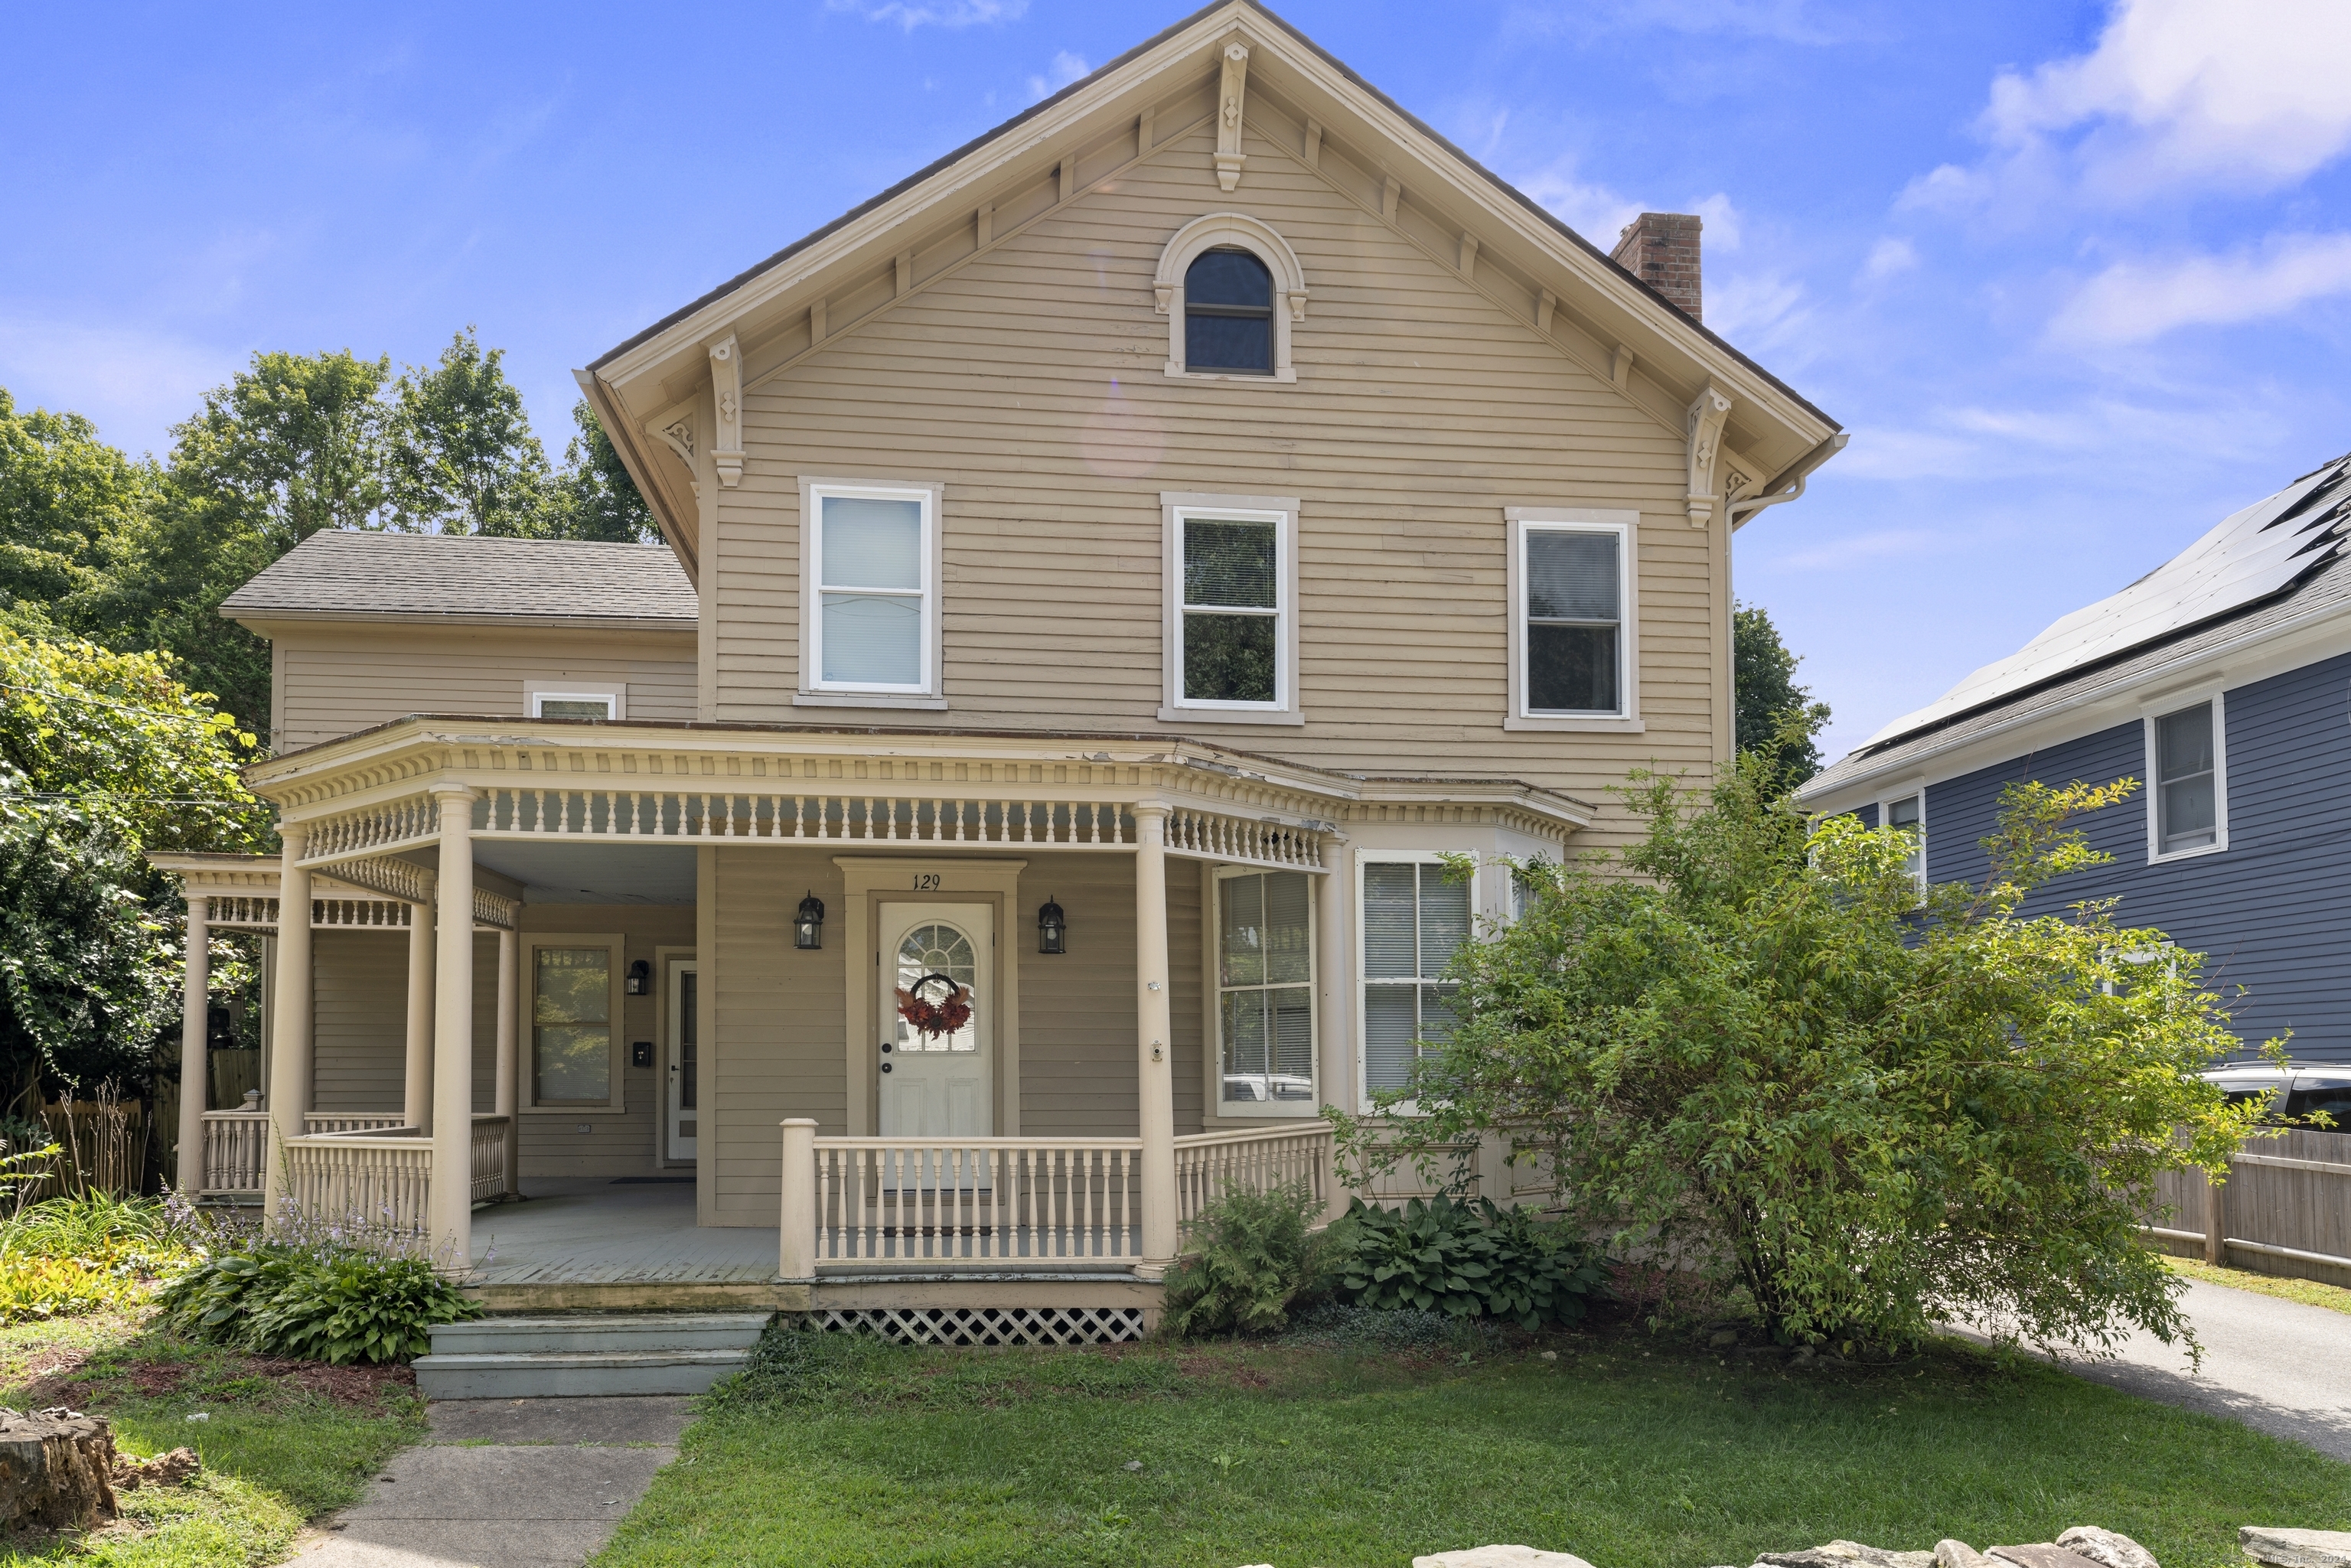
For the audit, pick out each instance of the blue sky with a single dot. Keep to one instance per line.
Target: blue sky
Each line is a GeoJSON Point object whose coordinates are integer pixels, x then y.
{"type": "Point", "coordinates": [2076, 276]}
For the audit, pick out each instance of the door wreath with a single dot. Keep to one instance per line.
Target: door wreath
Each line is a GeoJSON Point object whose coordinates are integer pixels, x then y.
{"type": "Point", "coordinates": [935, 1018]}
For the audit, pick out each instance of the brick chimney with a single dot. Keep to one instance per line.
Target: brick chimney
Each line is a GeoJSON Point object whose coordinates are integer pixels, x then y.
{"type": "Point", "coordinates": [1661, 250]}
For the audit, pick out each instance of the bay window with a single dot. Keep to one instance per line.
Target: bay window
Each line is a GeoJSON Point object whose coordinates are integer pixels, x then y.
{"type": "Point", "coordinates": [1415, 915]}
{"type": "Point", "coordinates": [1264, 993]}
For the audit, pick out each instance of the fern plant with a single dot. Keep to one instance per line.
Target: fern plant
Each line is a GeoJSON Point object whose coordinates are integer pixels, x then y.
{"type": "Point", "coordinates": [1252, 1260]}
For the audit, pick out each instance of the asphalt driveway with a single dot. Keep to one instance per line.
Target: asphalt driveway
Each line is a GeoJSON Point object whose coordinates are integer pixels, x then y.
{"type": "Point", "coordinates": [2278, 1366]}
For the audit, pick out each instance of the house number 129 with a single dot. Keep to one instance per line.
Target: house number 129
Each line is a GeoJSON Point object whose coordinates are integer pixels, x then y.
{"type": "Point", "coordinates": [926, 882]}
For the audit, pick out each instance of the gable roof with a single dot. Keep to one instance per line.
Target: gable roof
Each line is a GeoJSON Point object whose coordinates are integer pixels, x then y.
{"type": "Point", "coordinates": [1562, 287]}
{"type": "Point", "coordinates": [2275, 566]}
{"type": "Point", "coordinates": [343, 575]}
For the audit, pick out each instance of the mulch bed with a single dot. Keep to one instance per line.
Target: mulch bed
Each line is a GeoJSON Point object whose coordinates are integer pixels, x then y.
{"type": "Point", "coordinates": [362, 1387]}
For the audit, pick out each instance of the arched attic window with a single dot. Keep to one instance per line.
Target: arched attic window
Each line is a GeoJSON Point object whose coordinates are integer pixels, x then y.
{"type": "Point", "coordinates": [1231, 289]}
{"type": "Point", "coordinates": [1229, 313]}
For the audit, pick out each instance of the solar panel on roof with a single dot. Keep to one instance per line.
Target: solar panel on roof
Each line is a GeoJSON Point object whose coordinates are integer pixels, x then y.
{"type": "Point", "coordinates": [2263, 549]}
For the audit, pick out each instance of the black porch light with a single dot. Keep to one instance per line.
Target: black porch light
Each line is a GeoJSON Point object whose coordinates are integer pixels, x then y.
{"type": "Point", "coordinates": [639, 980]}
{"type": "Point", "coordinates": [1052, 929]}
{"type": "Point", "coordinates": [808, 925]}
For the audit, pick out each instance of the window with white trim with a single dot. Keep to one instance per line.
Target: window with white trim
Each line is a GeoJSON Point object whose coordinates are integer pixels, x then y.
{"type": "Point", "coordinates": [1574, 641]}
{"type": "Point", "coordinates": [2185, 753]}
{"type": "Point", "coordinates": [572, 1026]}
{"type": "Point", "coordinates": [1416, 915]}
{"type": "Point", "coordinates": [1234, 640]}
{"type": "Point", "coordinates": [1265, 992]}
{"type": "Point", "coordinates": [873, 598]}
{"type": "Point", "coordinates": [571, 704]}
{"type": "Point", "coordinates": [1910, 813]}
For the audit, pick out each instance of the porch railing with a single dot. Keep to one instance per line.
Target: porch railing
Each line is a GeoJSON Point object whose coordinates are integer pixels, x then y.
{"type": "Point", "coordinates": [375, 1175]}
{"type": "Point", "coordinates": [352, 1121]}
{"type": "Point", "coordinates": [1251, 1160]}
{"type": "Point", "coordinates": [970, 1198]}
{"type": "Point", "coordinates": [237, 1148]}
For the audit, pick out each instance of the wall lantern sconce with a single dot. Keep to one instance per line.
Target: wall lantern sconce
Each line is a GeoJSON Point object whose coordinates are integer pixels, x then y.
{"type": "Point", "coordinates": [808, 925]}
{"type": "Point", "coordinates": [1052, 929]}
{"type": "Point", "coordinates": [639, 980]}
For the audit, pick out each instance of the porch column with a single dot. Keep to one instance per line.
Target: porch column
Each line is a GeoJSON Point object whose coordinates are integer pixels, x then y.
{"type": "Point", "coordinates": [509, 1086]}
{"type": "Point", "coordinates": [1337, 1066]}
{"type": "Point", "coordinates": [1155, 1072]}
{"type": "Point", "coordinates": [416, 1096]}
{"type": "Point", "coordinates": [290, 1037]}
{"type": "Point", "coordinates": [449, 1204]}
{"type": "Point", "coordinates": [195, 1008]}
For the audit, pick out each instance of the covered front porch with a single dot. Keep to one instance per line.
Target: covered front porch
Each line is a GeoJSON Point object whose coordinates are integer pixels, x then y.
{"type": "Point", "coordinates": [782, 886]}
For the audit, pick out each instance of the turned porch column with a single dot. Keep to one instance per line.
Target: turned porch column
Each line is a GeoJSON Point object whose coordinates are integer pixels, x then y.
{"type": "Point", "coordinates": [1155, 1070]}
{"type": "Point", "coordinates": [449, 1204]}
{"type": "Point", "coordinates": [195, 1022]}
{"type": "Point", "coordinates": [509, 1092]}
{"type": "Point", "coordinates": [290, 1037]}
{"type": "Point", "coordinates": [416, 1095]}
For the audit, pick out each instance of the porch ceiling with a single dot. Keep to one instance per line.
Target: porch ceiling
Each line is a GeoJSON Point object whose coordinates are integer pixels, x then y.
{"type": "Point", "coordinates": [593, 873]}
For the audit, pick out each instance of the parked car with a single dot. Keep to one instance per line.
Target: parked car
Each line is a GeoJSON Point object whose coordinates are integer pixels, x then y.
{"type": "Point", "coordinates": [2301, 1088]}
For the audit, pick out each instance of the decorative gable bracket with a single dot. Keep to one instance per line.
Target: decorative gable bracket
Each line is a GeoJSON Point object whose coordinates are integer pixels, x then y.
{"type": "Point", "coordinates": [1229, 157]}
{"type": "Point", "coordinates": [727, 394]}
{"type": "Point", "coordinates": [1705, 419]}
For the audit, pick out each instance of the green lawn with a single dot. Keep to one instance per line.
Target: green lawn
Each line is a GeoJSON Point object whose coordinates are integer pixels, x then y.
{"type": "Point", "coordinates": [281, 1441]}
{"type": "Point", "coordinates": [2309, 1293]}
{"type": "Point", "coordinates": [1629, 1452]}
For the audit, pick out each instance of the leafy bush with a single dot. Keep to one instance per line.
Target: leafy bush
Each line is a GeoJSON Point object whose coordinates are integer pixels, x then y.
{"type": "Point", "coordinates": [795, 1363]}
{"type": "Point", "coordinates": [67, 1256]}
{"type": "Point", "coordinates": [1253, 1259]}
{"type": "Point", "coordinates": [332, 1303]}
{"type": "Point", "coordinates": [1464, 1260]}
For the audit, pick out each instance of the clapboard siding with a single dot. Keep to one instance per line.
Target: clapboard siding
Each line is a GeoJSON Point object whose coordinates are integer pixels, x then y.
{"type": "Point", "coordinates": [1030, 382]}
{"type": "Point", "coordinates": [358, 1033]}
{"type": "Point", "coordinates": [2272, 913]}
{"type": "Point", "coordinates": [333, 681]}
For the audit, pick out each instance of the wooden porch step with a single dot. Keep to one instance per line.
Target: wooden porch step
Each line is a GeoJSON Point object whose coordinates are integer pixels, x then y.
{"type": "Point", "coordinates": [592, 1353]}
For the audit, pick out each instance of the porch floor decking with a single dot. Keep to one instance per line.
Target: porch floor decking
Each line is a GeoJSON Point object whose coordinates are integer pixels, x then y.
{"type": "Point", "coordinates": [591, 1231]}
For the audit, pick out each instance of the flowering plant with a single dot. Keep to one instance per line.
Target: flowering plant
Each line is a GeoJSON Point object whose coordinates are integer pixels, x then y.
{"type": "Point", "coordinates": [935, 1018]}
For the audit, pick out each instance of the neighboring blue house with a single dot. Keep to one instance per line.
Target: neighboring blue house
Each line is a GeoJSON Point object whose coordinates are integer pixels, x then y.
{"type": "Point", "coordinates": [2222, 681]}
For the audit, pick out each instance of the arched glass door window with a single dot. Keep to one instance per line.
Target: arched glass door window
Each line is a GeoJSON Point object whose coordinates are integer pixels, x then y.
{"type": "Point", "coordinates": [1229, 313]}
{"type": "Point", "coordinates": [938, 949]}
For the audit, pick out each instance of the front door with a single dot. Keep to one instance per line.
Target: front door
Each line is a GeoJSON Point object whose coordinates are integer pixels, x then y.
{"type": "Point", "coordinates": [938, 1085]}
{"type": "Point", "coordinates": [684, 1118]}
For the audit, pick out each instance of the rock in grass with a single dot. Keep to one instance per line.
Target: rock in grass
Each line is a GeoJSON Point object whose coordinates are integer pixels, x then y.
{"type": "Point", "coordinates": [1848, 1554]}
{"type": "Point", "coordinates": [1499, 1557]}
{"type": "Point", "coordinates": [1950, 1553]}
{"type": "Point", "coordinates": [2296, 1548]}
{"type": "Point", "coordinates": [2041, 1554]}
{"type": "Point", "coordinates": [2106, 1548]}
{"type": "Point", "coordinates": [53, 1466]}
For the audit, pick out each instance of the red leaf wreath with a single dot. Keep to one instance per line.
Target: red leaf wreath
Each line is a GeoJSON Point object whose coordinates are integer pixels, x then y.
{"type": "Point", "coordinates": [940, 1018]}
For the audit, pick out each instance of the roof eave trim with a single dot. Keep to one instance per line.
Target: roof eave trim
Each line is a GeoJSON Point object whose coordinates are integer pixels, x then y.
{"type": "Point", "coordinates": [681, 625]}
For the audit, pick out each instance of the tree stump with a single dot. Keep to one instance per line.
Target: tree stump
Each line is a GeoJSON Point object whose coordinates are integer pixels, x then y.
{"type": "Point", "coordinates": [54, 1466]}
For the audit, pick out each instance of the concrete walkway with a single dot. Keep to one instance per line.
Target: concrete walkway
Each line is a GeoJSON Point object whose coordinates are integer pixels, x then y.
{"type": "Point", "coordinates": [519, 1483]}
{"type": "Point", "coordinates": [2278, 1366]}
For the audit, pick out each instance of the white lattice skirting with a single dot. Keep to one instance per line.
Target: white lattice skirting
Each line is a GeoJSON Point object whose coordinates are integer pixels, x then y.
{"type": "Point", "coordinates": [986, 1326]}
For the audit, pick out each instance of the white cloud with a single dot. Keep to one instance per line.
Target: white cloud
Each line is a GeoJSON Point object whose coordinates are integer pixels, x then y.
{"type": "Point", "coordinates": [2177, 92]}
{"type": "Point", "coordinates": [1594, 211]}
{"type": "Point", "coordinates": [945, 14]}
{"type": "Point", "coordinates": [132, 384]}
{"type": "Point", "coordinates": [2133, 301]}
{"type": "Point", "coordinates": [1977, 444]}
{"type": "Point", "coordinates": [1066, 68]}
{"type": "Point", "coordinates": [1788, 21]}
{"type": "Point", "coordinates": [1758, 311]}
{"type": "Point", "coordinates": [1889, 258]}
{"type": "Point", "coordinates": [1723, 229]}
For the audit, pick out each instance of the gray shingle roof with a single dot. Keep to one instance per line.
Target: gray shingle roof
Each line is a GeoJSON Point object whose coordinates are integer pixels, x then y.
{"type": "Point", "coordinates": [2328, 592]}
{"type": "Point", "coordinates": [433, 577]}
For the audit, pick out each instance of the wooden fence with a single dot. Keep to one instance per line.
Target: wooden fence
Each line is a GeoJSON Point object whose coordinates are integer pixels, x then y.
{"type": "Point", "coordinates": [101, 1146]}
{"type": "Point", "coordinates": [2284, 1209]}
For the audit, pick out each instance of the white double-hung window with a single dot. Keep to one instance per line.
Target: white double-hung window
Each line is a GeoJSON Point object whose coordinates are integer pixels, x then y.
{"type": "Point", "coordinates": [1573, 643]}
{"type": "Point", "coordinates": [870, 562]}
{"type": "Point", "coordinates": [1416, 915]}
{"type": "Point", "coordinates": [1232, 624]}
{"type": "Point", "coordinates": [2186, 754]}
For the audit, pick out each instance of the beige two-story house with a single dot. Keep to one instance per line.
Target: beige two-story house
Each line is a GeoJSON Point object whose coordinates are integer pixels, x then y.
{"type": "Point", "coordinates": [1100, 576]}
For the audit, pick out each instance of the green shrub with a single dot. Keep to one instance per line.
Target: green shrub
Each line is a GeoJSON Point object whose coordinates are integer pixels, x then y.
{"type": "Point", "coordinates": [1252, 1260]}
{"type": "Point", "coordinates": [67, 1256]}
{"type": "Point", "coordinates": [334, 1303]}
{"type": "Point", "coordinates": [1470, 1260]}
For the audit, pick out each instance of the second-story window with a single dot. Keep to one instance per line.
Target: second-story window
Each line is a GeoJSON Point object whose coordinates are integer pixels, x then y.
{"type": "Point", "coordinates": [1229, 313]}
{"type": "Point", "coordinates": [1573, 640]}
{"type": "Point", "coordinates": [1908, 813]}
{"type": "Point", "coordinates": [1235, 600]}
{"type": "Point", "coordinates": [875, 618]}
{"type": "Point", "coordinates": [2186, 757]}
